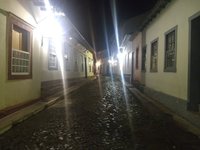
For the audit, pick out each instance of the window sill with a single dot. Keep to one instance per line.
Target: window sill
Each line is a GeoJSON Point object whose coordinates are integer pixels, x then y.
{"type": "Point", "coordinates": [170, 70]}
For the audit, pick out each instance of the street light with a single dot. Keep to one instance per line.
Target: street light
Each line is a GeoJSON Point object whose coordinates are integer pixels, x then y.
{"type": "Point", "coordinates": [121, 58]}
{"type": "Point", "coordinates": [98, 63]}
{"type": "Point", "coordinates": [50, 27]}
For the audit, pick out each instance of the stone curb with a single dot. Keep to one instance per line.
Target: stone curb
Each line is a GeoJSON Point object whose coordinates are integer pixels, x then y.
{"type": "Point", "coordinates": [9, 121]}
{"type": "Point", "coordinates": [182, 122]}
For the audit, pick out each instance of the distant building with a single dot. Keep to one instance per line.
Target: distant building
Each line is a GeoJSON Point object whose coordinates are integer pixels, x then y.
{"type": "Point", "coordinates": [103, 65]}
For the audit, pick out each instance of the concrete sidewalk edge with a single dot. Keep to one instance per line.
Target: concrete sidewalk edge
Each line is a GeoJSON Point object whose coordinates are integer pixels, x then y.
{"type": "Point", "coordinates": [182, 122]}
{"type": "Point", "coordinates": [10, 120]}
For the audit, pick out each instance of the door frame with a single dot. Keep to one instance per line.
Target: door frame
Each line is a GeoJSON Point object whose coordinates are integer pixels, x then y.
{"type": "Point", "coordinates": [190, 105]}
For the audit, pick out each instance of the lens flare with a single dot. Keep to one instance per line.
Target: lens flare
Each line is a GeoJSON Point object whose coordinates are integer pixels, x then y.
{"type": "Point", "coordinates": [120, 56]}
{"type": "Point", "coordinates": [50, 27]}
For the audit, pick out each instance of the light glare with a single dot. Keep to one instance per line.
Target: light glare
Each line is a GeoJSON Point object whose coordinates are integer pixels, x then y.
{"type": "Point", "coordinates": [50, 27]}
{"type": "Point", "coordinates": [98, 63]}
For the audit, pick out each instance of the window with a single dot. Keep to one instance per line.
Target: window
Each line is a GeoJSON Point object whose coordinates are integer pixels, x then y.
{"type": "Point", "coordinates": [170, 50]}
{"type": "Point", "coordinates": [154, 56]}
{"type": "Point", "coordinates": [144, 58]}
{"type": "Point", "coordinates": [137, 55]}
{"type": "Point", "coordinates": [19, 48]}
{"type": "Point", "coordinates": [52, 61]}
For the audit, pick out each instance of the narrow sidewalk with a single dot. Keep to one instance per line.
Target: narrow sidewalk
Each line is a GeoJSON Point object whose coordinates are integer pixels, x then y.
{"type": "Point", "coordinates": [154, 107]}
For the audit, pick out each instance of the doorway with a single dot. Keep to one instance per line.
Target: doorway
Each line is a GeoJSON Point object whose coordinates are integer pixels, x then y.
{"type": "Point", "coordinates": [132, 68]}
{"type": "Point", "coordinates": [85, 67]}
{"type": "Point", "coordinates": [194, 64]}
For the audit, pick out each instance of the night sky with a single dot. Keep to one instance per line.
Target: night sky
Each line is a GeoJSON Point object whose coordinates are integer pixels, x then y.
{"type": "Point", "coordinates": [93, 18]}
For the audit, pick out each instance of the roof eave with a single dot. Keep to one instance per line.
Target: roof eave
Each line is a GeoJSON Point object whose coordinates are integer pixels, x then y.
{"type": "Point", "coordinates": [161, 4]}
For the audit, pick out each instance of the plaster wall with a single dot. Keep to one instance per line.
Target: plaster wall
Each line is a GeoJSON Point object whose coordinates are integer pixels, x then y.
{"type": "Point", "coordinates": [13, 92]}
{"type": "Point", "coordinates": [61, 72]}
{"type": "Point", "coordinates": [137, 43]}
{"type": "Point", "coordinates": [176, 13]}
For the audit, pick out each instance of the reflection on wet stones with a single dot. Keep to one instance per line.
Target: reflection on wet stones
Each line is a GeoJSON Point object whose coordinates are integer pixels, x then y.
{"type": "Point", "coordinates": [91, 121]}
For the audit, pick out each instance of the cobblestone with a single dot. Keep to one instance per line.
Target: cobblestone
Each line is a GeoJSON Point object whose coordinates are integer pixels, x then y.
{"type": "Point", "coordinates": [101, 115]}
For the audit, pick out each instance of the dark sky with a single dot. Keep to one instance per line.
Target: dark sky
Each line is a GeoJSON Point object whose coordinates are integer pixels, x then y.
{"type": "Point", "coordinates": [93, 18]}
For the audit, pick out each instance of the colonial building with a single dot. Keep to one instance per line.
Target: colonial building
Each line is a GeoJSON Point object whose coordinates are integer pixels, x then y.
{"type": "Point", "coordinates": [103, 66]}
{"type": "Point", "coordinates": [39, 47]}
{"type": "Point", "coordinates": [166, 56]}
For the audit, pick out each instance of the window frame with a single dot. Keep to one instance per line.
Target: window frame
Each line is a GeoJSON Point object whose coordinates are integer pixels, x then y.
{"type": "Point", "coordinates": [13, 20]}
{"type": "Point", "coordinates": [173, 68]}
{"type": "Point", "coordinates": [154, 69]}
{"type": "Point", "coordinates": [50, 41]}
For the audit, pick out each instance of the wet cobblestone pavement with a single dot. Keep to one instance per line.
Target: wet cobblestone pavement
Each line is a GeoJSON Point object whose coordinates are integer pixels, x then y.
{"type": "Point", "coordinates": [98, 116]}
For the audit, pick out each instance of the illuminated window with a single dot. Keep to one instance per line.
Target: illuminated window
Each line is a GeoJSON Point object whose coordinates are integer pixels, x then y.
{"type": "Point", "coordinates": [52, 61]}
{"type": "Point", "coordinates": [170, 50]}
{"type": "Point", "coordinates": [19, 48]}
{"type": "Point", "coordinates": [154, 56]}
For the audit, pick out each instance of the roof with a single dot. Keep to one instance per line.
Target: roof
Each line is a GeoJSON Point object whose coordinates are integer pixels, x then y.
{"type": "Point", "coordinates": [138, 23]}
{"type": "Point", "coordinates": [159, 6]}
{"type": "Point", "coordinates": [131, 27]}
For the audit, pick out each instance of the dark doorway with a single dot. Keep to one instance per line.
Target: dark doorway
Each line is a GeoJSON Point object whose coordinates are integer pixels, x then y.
{"type": "Point", "coordinates": [85, 67]}
{"type": "Point", "coordinates": [194, 65]}
{"type": "Point", "coordinates": [132, 67]}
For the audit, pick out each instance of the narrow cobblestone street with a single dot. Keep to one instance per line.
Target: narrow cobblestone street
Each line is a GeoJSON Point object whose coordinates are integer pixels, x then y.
{"type": "Point", "coordinates": [98, 116]}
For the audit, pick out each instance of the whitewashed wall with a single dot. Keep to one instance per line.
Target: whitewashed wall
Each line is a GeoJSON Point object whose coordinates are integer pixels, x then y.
{"type": "Point", "coordinates": [177, 14]}
{"type": "Point", "coordinates": [18, 91]}
{"type": "Point", "coordinates": [76, 58]}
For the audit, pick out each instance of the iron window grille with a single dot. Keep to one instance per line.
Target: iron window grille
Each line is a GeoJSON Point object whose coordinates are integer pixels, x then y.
{"type": "Point", "coordinates": [170, 50]}
{"type": "Point", "coordinates": [20, 62]}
